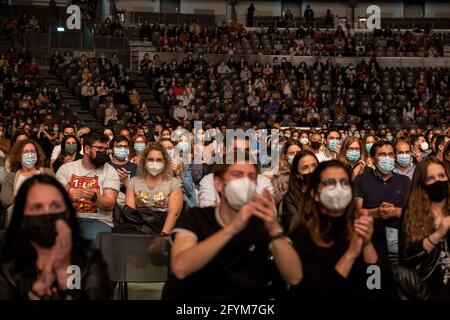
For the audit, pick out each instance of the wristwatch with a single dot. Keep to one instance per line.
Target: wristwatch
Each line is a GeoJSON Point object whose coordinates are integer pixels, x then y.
{"type": "Point", "coordinates": [94, 197]}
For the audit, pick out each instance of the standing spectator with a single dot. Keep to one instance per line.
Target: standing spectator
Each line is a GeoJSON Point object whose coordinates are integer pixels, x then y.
{"type": "Point", "coordinates": [250, 15]}
{"type": "Point", "coordinates": [93, 186]}
{"type": "Point", "coordinates": [308, 14]}
{"type": "Point", "coordinates": [328, 19]}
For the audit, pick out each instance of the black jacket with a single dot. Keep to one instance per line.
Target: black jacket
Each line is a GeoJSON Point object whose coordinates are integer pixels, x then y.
{"type": "Point", "coordinates": [15, 282]}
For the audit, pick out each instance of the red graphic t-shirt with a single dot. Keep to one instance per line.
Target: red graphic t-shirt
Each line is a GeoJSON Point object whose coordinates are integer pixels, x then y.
{"type": "Point", "coordinates": [86, 183]}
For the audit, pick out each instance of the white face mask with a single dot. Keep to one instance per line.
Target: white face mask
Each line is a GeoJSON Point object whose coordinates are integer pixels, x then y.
{"type": "Point", "coordinates": [336, 198]}
{"type": "Point", "coordinates": [304, 140]}
{"type": "Point", "coordinates": [290, 158]}
{"type": "Point", "coordinates": [239, 191]}
{"type": "Point", "coordinates": [154, 168]}
{"type": "Point", "coordinates": [424, 146]}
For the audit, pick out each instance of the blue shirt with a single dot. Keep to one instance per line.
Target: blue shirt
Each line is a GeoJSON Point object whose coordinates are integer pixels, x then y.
{"type": "Point", "coordinates": [130, 168]}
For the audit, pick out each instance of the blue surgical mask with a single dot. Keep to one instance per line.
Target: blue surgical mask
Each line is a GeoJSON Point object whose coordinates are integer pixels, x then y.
{"type": "Point", "coordinates": [404, 159]}
{"type": "Point", "coordinates": [29, 160]}
{"type": "Point", "coordinates": [121, 153]}
{"type": "Point", "coordinates": [353, 155]}
{"type": "Point", "coordinates": [333, 144]}
{"type": "Point", "coordinates": [368, 147]}
{"type": "Point", "coordinates": [386, 164]}
{"type": "Point", "coordinates": [139, 147]}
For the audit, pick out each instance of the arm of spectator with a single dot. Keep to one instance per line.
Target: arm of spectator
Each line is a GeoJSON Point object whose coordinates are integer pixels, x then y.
{"type": "Point", "coordinates": [107, 200]}
{"type": "Point", "coordinates": [130, 198]}
{"type": "Point", "coordinates": [175, 205]}
{"type": "Point", "coordinates": [208, 196]}
{"type": "Point", "coordinates": [7, 193]}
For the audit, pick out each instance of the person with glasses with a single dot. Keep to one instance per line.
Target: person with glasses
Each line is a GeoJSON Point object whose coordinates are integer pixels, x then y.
{"type": "Point", "coordinates": [120, 161]}
{"type": "Point", "coordinates": [353, 154]}
{"type": "Point", "coordinates": [383, 192]}
{"type": "Point", "coordinates": [26, 159]}
{"type": "Point", "coordinates": [334, 243]}
{"type": "Point", "coordinates": [93, 186]}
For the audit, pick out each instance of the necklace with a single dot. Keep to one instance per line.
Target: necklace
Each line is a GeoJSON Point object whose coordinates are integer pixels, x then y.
{"type": "Point", "coordinates": [444, 261]}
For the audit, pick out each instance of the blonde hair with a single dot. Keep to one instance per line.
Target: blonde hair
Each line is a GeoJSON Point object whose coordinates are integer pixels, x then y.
{"type": "Point", "coordinates": [155, 146]}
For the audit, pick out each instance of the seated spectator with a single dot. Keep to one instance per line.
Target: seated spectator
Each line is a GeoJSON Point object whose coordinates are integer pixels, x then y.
{"type": "Point", "coordinates": [404, 161]}
{"type": "Point", "coordinates": [353, 155]}
{"type": "Point", "coordinates": [44, 223]}
{"type": "Point", "coordinates": [93, 186]}
{"type": "Point", "coordinates": [424, 230]}
{"type": "Point", "coordinates": [280, 180]}
{"type": "Point", "coordinates": [383, 192]}
{"type": "Point", "coordinates": [70, 151]}
{"type": "Point", "coordinates": [120, 161]}
{"type": "Point", "coordinates": [154, 188]}
{"type": "Point", "coordinates": [233, 225]}
{"type": "Point", "coordinates": [332, 146]}
{"type": "Point", "coordinates": [25, 160]}
{"type": "Point", "coordinates": [302, 167]}
{"type": "Point", "coordinates": [110, 115]}
{"type": "Point", "coordinates": [335, 259]}
{"type": "Point", "coordinates": [138, 145]}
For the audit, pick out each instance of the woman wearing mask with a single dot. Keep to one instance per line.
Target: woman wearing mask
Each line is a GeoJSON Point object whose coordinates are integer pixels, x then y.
{"type": "Point", "coordinates": [138, 144]}
{"type": "Point", "coordinates": [368, 141]}
{"type": "Point", "coordinates": [353, 155]}
{"type": "Point", "coordinates": [70, 151]}
{"type": "Point", "coordinates": [303, 165]}
{"type": "Point", "coordinates": [280, 181]}
{"type": "Point", "coordinates": [210, 252]}
{"type": "Point", "coordinates": [425, 222]}
{"type": "Point", "coordinates": [42, 241]}
{"type": "Point", "coordinates": [335, 246]}
{"type": "Point", "coordinates": [26, 160]}
{"type": "Point", "coordinates": [156, 189]}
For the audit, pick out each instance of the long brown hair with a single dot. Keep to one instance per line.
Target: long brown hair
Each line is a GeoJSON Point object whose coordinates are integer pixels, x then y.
{"type": "Point", "coordinates": [342, 156]}
{"type": "Point", "coordinates": [15, 156]}
{"type": "Point", "coordinates": [418, 220]}
{"type": "Point", "coordinates": [309, 217]}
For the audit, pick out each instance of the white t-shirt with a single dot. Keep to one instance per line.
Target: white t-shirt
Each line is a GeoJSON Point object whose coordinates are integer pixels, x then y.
{"type": "Point", "coordinates": [75, 175]}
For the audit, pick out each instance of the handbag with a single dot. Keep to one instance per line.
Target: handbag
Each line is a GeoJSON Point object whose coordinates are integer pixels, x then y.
{"type": "Point", "coordinates": [140, 220]}
{"type": "Point", "coordinates": [411, 286]}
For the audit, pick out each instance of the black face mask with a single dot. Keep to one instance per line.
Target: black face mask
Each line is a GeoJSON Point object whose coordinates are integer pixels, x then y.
{"type": "Point", "coordinates": [306, 178]}
{"type": "Point", "coordinates": [437, 191]}
{"type": "Point", "coordinates": [316, 145]}
{"type": "Point", "coordinates": [42, 229]}
{"type": "Point", "coordinates": [101, 157]}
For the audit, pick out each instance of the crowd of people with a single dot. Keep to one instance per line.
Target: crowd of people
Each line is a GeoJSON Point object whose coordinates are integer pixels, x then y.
{"type": "Point", "coordinates": [345, 169]}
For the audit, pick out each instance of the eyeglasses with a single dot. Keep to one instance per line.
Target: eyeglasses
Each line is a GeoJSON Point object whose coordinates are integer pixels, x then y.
{"type": "Point", "coordinates": [331, 183]}
{"type": "Point", "coordinates": [100, 148]}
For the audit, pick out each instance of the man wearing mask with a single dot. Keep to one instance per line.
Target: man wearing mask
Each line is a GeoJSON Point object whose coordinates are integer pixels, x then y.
{"type": "Point", "coordinates": [420, 147]}
{"type": "Point", "coordinates": [404, 161]}
{"type": "Point", "coordinates": [119, 161]}
{"type": "Point", "coordinates": [440, 143]}
{"type": "Point", "coordinates": [93, 186]}
{"type": "Point", "coordinates": [383, 192]}
{"type": "Point", "coordinates": [215, 249]}
{"type": "Point", "coordinates": [316, 143]}
{"type": "Point", "coordinates": [333, 145]}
